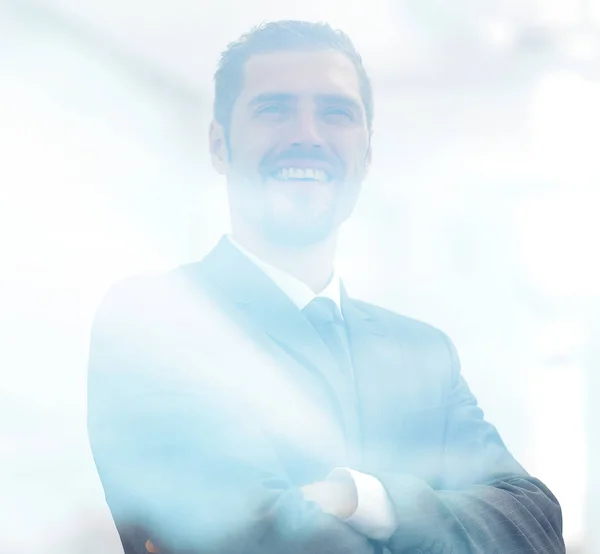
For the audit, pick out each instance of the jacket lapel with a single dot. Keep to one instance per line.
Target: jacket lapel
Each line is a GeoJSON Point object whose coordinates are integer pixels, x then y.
{"type": "Point", "coordinates": [377, 360]}
{"type": "Point", "coordinates": [262, 307]}
{"type": "Point", "coordinates": [269, 307]}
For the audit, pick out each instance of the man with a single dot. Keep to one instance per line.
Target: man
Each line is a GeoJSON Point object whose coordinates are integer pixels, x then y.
{"type": "Point", "coordinates": [325, 424]}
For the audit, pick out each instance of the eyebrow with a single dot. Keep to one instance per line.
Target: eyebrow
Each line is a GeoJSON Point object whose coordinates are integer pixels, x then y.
{"type": "Point", "coordinates": [271, 97]}
{"type": "Point", "coordinates": [283, 97]}
{"type": "Point", "coordinates": [340, 100]}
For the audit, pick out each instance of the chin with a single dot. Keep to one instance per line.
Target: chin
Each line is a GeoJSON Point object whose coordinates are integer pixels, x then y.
{"type": "Point", "coordinates": [297, 236]}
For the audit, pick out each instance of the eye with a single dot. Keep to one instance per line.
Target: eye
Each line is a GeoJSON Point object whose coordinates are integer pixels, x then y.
{"type": "Point", "coordinates": [271, 109]}
{"type": "Point", "coordinates": [339, 114]}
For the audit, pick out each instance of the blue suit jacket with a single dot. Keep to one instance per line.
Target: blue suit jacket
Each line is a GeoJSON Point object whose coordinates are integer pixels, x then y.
{"type": "Point", "coordinates": [207, 453]}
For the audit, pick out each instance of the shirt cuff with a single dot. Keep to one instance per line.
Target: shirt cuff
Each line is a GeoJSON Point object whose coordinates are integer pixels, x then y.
{"type": "Point", "coordinates": [374, 516]}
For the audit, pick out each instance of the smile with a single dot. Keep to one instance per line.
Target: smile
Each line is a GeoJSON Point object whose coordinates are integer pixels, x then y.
{"type": "Point", "coordinates": [302, 174]}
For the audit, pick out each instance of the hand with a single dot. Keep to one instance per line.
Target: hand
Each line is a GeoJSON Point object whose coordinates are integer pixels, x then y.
{"type": "Point", "coordinates": [338, 498]}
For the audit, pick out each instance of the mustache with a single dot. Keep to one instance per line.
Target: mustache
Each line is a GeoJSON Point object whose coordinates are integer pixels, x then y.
{"type": "Point", "coordinates": [269, 162]}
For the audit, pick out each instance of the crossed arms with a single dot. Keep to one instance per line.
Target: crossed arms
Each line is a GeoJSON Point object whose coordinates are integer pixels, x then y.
{"type": "Point", "coordinates": [195, 477]}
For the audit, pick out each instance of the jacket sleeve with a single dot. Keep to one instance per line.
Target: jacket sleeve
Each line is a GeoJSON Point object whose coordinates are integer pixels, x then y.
{"type": "Point", "coordinates": [179, 466]}
{"type": "Point", "coordinates": [484, 501]}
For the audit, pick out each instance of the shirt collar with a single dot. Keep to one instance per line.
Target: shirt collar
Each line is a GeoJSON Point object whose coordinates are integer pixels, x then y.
{"type": "Point", "coordinates": [298, 292]}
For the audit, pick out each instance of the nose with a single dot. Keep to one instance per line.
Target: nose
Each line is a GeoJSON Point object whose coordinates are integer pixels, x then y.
{"type": "Point", "coordinates": [305, 130]}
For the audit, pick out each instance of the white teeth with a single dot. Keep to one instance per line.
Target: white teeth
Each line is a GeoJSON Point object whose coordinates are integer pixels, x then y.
{"type": "Point", "coordinates": [301, 173]}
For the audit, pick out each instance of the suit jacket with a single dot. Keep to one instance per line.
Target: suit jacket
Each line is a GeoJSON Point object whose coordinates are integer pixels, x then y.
{"type": "Point", "coordinates": [211, 400]}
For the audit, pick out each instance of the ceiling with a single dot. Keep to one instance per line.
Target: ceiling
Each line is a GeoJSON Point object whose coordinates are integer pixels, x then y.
{"type": "Point", "coordinates": [182, 40]}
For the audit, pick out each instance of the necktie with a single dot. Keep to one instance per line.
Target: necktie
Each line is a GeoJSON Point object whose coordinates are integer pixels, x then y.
{"type": "Point", "coordinates": [325, 317]}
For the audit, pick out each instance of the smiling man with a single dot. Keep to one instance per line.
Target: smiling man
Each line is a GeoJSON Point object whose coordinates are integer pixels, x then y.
{"type": "Point", "coordinates": [295, 148]}
{"type": "Point", "coordinates": [246, 403]}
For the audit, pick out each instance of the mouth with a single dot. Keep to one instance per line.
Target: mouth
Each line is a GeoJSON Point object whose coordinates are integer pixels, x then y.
{"type": "Point", "coordinates": [301, 174]}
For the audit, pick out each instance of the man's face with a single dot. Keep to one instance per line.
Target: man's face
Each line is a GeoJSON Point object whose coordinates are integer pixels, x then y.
{"type": "Point", "coordinates": [299, 146]}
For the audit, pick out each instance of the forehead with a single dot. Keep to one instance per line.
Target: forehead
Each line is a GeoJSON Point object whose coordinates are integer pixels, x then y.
{"type": "Point", "coordinates": [300, 73]}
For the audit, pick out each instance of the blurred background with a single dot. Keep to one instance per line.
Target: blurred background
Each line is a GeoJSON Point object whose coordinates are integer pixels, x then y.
{"type": "Point", "coordinates": [480, 215]}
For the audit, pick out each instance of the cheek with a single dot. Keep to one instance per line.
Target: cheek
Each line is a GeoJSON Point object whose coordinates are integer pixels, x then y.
{"type": "Point", "coordinates": [248, 152]}
{"type": "Point", "coordinates": [355, 151]}
{"type": "Point", "coordinates": [358, 165]}
{"type": "Point", "coordinates": [243, 158]}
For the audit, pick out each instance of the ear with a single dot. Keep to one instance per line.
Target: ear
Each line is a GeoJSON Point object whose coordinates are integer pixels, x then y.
{"type": "Point", "coordinates": [369, 155]}
{"type": "Point", "coordinates": [218, 147]}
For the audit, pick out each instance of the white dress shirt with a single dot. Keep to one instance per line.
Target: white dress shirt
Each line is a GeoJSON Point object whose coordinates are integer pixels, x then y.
{"type": "Point", "coordinates": [374, 515]}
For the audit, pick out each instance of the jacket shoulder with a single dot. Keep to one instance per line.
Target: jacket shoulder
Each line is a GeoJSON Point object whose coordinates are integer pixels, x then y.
{"type": "Point", "coordinates": [426, 349]}
{"type": "Point", "coordinates": [399, 322]}
{"type": "Point", "coordinates": [143, 295]}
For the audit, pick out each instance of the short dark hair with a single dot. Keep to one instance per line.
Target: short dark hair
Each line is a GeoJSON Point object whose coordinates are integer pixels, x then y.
{"type": "Point", "coordinates": [276, 36]}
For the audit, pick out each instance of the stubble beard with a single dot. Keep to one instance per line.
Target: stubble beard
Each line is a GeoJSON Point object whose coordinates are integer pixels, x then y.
{"type": "Point", "coordinates": [284, 234]}
{"type": "Point", "coordinates": [280, 231]}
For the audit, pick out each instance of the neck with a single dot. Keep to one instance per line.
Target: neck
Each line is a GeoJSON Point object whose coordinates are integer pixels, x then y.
{"type": "Point", "coordinates": [313, 264]}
